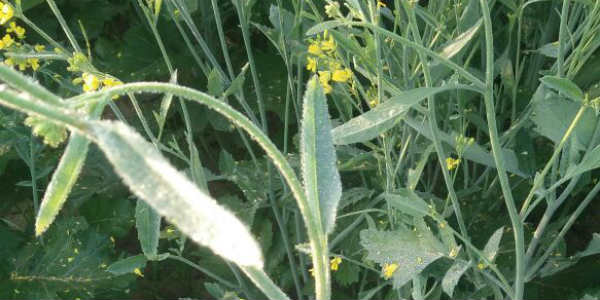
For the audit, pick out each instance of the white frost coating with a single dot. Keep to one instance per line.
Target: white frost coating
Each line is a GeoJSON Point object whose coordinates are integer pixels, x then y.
{"type": "Point", "coordinates": [148, 174]}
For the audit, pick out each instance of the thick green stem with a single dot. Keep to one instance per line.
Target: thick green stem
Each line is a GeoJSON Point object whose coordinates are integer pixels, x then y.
{"type": "Point", "coordinates": [498, 156]}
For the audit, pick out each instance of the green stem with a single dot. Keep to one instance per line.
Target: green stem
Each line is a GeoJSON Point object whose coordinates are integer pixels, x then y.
{"type": "Point", "coordinates": [591, 196]}
{"type": "Point", "coordinates": [499, 158]}
{"type": "Point", "coordinates": [64, 25]}
{"type": "Point", "coordinates": [246, 36]}
{"type": "Point", "coordinates": [539, 179]}
{"type": "Point", "coordinates": [433, 124]}
{"type": "Point", "coordinates": [561, 37]}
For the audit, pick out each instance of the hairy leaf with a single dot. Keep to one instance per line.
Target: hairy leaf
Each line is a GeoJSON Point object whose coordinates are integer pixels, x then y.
{"type": "Point", "coordinates": [318, 158]}
{"type": "Point", "coordinates": [62, 182]}
{"type": "Point", "coordinates": [402, 247]}
{"type": "Point", "coordinates": [148, 174]}
{"type": "Point", "coordinates": [147, 222]}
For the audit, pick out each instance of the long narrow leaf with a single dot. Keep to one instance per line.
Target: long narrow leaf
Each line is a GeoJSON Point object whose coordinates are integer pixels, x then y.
{"type": "Point", "coordinates": [319, 163]}
{"type": "Point", "coordinates": [383, 117]}
{"type": "Point", "coordinates": [62, 181]}
{"type": "Point", "coordinates": [149, 176]}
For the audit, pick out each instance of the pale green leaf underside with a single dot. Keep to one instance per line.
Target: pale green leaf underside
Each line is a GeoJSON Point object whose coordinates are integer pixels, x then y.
{"type": "Point", "coordinates": [401, 247]}
{"type": "Point", "coordinates": [150, 177]}
{"type": "Point", "coordinates": [453, 275]}
{"type": "Point", "coordinates": [408, 202]}
{"type": "Point", "coordinates": [147, 222]}
{"type": "Point", "coordinates": [62, 181]}
{"type": "Point", "coordinates": [318, 158]}
{"type": "Point", "coordinates": [383, 117]}
{"type": "Point", "coordinates": [452, 48]}
{"type": "Point", "coordinates": [491, 247]}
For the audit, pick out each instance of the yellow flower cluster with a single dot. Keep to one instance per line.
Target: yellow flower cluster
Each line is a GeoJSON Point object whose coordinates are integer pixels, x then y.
{"type": "Point", "coordinates": [8, 42]}
{"type": "Point", "coordinates": [6, 12]}
{"type": "Point", "coordinates": [388, 270]}
{"type": "Point", "coordinates": [323, 60]}
{"type": "Point", "coordinates": [92, 82]}
{"type": "Point", "coordinates": [17, 30]}
{"type": "Point", "coordinates": [452, 163]}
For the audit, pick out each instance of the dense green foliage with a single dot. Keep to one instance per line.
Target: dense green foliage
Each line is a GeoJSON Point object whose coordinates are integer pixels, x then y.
{"type": "Point", "coordinates": [346, 149]}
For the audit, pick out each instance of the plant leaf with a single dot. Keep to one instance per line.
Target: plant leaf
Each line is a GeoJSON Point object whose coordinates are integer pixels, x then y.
{"type": "Point", "coordinates": [318, 158]}
{"type": "Point", "coordinates": [408, 202]}
{"type": "Point", "coordinates": [564, 86]}
{"type": "Point", "coordinates": [452, 48]}
{"type": "Point", "coordinates": [491, 247]}
{"type": "Point", "coordinates": [402, 247]}
{"type": "Point", "coordinates": [62, 181]}
{"type": "Point", "coordinates": [593, 247]}
{"type": "Point", "coordinates": [147, 222]}
{"type": "Point", "coordinates": [453, 275]}
{"type": "Point", "coordinates": [128, 265]}
{"type": "Point", "coordinates": [150, 177]}
{"type": "Point", "coordinates": [383, 117]}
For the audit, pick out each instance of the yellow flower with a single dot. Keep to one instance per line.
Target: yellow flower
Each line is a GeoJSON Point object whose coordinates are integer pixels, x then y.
{"type": "Point", "coordinates": [6, 13]}
{"type": "Point", "coordinates": [328, 44]}
{"type": "Point", "coordinates": [335, 263]}
{"type": "Point", "coordinates": [9, 62]}
{"type": "Point", "coordinates": [480, 266]}
{"type": "Point", "coordinates": [314, 49]}
{"type": "Point", "coordinates": [90, 82]}
{"type": "Point", "coordinates": [34, 63]}
{"type": "Point", "coordinates": [312, 272]}
{"type": "Point", "coordinates": [381, 4]}
{"type": "Point", "coordinates": [22, 66]}
{"type": "Point", "coordinates": [324, 78]}
{"type": "Point", "coordinates": [6, 41]}
{"type": "Point", "coordinates": [138, 272]}
{"type": "Point", "coordinates": [388, 270]}
{"type": "Point", "coordinates": [39, 48]}
{"type": "Point", "coordinates": [342, 75]}
{"type": "Point", "coordinates": [452, 163]}
{"type": "Point", "coordinates": [110, 82]}
{"type": "Point", "coordinates": [18, 30]}
{"type": "Point", "coordinates": [453, 253]}
{"type": "Point", "coordinates": [311, 64]}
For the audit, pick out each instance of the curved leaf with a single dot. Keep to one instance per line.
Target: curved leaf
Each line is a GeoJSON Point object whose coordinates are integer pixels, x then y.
{"type": "Point", "coordinates": [384, 116]}
{"type": "Point", "coordinates": [62, 181]}
{"type": "Point", "coordinates": [319, 163]}
{"type": "Point", "coordinates": [564, 86]}
{"type": "Point", "coordinates": [150, 177]}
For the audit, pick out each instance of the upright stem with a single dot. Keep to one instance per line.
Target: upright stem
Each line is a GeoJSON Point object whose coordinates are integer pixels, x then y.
{"type": "Point", "coordinates": [561, 37]}
{"type": "Point", "coordinates": [432, 117]}
{"type": "Point", "coordinates": [540, 178]}
{"type": "Point", "coordinates": [498, 156]}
